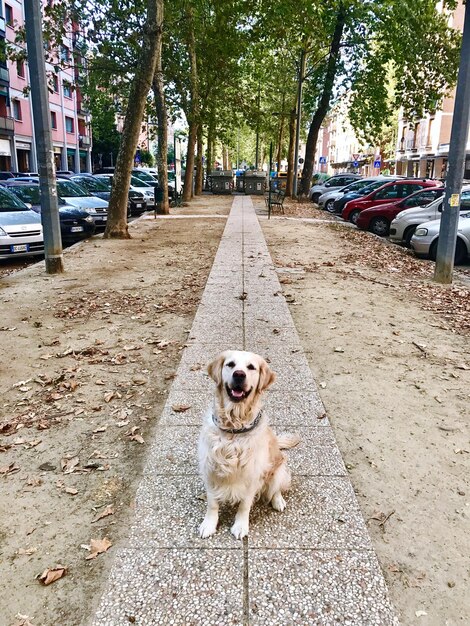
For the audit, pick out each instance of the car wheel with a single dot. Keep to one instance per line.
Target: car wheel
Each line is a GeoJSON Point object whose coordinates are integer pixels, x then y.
{"type": "Point", "coordinates": [409, 232]}
{"type": "Point", "coordinates": [460, 251]}
{"type": "Point", "coordinates": [315, 197]}
{"type": "Point", "coordinates": [353, 216]}
{"type": "Point", "coordinates": [329, 206]}
{"type": "Point", "coordinates": [380, 226]}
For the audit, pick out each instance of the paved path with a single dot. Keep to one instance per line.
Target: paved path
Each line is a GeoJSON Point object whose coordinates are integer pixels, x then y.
{"type": "Point", "coordinates": [312, 564]}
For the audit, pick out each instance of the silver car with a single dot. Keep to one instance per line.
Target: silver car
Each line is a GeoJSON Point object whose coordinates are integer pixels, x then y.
{"type": "Point", "coordinates": [338, 181]}
{"type": "Point", "coordinates": [78, 197]}
{"type": "Point", "coordinates": [20, 228]}
{"type": "Point", "coordinates": [404, 225]}
{"type": "Point", "coordinates": [424, 241]}
{"type": "Point", "coordinates": [326, 200]}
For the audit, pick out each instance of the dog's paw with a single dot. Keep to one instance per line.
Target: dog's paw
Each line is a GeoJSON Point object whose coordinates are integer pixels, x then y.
{"type": "Point", "coordinates": [278, 503]}
{"type": "Point", "coordinates": [207, 528]}
{"type": "Point", "coordinates": [240, 529]}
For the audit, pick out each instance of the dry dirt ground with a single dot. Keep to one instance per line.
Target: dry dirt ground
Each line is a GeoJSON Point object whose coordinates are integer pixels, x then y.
{"type": "Point", "coordinates": [87, 359]}
{"type": "Point", "coordinates": [390, 352]}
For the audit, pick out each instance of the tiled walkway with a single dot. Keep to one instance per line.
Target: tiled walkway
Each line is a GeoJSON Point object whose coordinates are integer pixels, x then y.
{"type": "Point", "coordinates": [312, 564]}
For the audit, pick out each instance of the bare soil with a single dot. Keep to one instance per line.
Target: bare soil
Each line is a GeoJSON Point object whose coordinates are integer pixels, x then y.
{"type": "Point", "coordinates": [390, 352]}
{"type": "Point", "coordinates": [88, 358]}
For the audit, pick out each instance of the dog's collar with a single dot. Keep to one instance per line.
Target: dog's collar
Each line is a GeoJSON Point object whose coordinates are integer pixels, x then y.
{"type": "Point", "coordinates": [239, 431]}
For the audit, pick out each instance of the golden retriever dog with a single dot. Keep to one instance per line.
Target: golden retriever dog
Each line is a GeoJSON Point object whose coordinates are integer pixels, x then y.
{"type": "Point", "coordinates": [240, 457]}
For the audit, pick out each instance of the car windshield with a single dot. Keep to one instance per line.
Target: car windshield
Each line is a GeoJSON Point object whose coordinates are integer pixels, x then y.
{"type": "Point", "coordinates": [144, 176]}
{"type": "Point", "coordinates": [372, 187]}
{"type": "Point", "coordinates": [107, 181]}
{"type": "Point", "coordinates": [90, 184]}
{"type": "Point", "coordinates": [136, 182]}
{"type": "Point", "coordinates": [358, 184]}
{"type": "Point", "coordinates": [9, 202]}
{"type": "Point", "coordinates": [68, 189]}
{"type": "Point", "coordinates": [30, 194]}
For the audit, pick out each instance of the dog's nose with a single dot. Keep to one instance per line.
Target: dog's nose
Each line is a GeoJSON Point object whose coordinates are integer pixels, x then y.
{"type": "Point", "coordinates": [239, 375]}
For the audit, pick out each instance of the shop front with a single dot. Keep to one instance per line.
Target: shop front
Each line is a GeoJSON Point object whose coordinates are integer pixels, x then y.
{"type": "Point", "coordinates": [5, 155]}
{"type": "Point", "coordinates": [23, 156]}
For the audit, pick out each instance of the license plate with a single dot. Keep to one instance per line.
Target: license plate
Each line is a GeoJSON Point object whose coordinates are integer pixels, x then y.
{"type": "Point", "coordinates": [76, 229]}
{"type": "Point", "coordinates": [101, 218]}
{"type": "Point", "coordinates": [138, 206]}
{"type": "Point", "coordinates": [24, 247]}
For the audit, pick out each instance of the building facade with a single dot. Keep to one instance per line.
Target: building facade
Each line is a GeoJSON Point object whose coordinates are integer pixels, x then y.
{"type": "Point", "coordinates": [70, 121]}
{"type": "Point", "coordinates": [423, 146]}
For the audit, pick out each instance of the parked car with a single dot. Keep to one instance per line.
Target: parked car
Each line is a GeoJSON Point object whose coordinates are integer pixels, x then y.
{"type": "Point", "coordinates": [6, 175]}
{"type": "Point", "coordinates": [92, 185]}
{"type": "Point", "coordinates": [326, 200]}
{"type": "Point", "coordinates": [388, 193]}
{"type": "Point", "coordinates": [75, 224]}
{"type": "Point", "coordinates": [377, 219]}
{"type": "Point", "coordinates": [145, 176]}
{"type": "Point", "coordinates": [137, 201]}
{"type": "Point", "coordinates": [341, 201]}
{"type": "Point", "coordinates": [424, 241]}
{"type": "Point", "coordinates": [338, 180]}
{"type": "Point", "coordinates": [20, 228]}
{"type": "Point", "coordinates": [145, 188]}
{"type": "Point", "coordinates": [78, 197]}
{"type": "Point", "coordinates": [405, 223]}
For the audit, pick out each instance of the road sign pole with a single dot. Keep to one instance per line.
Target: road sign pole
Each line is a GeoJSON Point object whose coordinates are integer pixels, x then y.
{"type": "Point", "coordinates": [42, 133]}
{"type": "Point", "coordinates": [458, 142]}
{"type": "Point", "coordinates": [299, 116]}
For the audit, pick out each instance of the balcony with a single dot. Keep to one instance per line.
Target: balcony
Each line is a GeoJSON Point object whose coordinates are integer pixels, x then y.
{"type": "Point", "coordinates": [4, 75]}
{"type": "Point", "coordinates": [2, 26]}
{"type": "Point", "coordinates": [7, 125]}
{"type": "Point", "coordinates": [411, 145]}
{"type": "Point", "coordinates": [85, 141]}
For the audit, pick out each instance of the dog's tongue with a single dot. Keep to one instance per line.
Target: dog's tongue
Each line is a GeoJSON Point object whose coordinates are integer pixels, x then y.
{"type": "Point", "coordinates": [237, 394]}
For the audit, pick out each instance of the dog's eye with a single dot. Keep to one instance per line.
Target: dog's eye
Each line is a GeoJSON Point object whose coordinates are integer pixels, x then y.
{"type": "Point", "coordinates": [250, 367]}
{"type": "Point", "coordinates": [231, 364]}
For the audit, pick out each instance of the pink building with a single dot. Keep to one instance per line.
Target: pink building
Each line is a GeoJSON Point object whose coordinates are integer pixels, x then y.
{"type": "Point", "coordinates": [70, 122]}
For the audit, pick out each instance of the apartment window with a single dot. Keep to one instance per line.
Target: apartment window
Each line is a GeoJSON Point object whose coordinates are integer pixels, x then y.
{"type": "Point", "coordinates": [430, 131]}
{"type": "Point", "coordinates": [55, 83]}
{"type": "Point", "coordinates": [20, 69]}
{"type": "Point", "coordinates": [64, 54]}
{"type": "Point", "coordinates": [53, 119]}
{"type": "Point", "coordinates": [69, 125]}
{"type": "Point", "coordinates": [67, 89]}
{"type": "Point", "coordinates": [8, 15]}
{"type": "Point", "coordinates": [17, 110]}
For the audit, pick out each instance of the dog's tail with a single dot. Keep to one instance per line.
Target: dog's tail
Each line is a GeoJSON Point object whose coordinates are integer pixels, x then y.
{"type": "Point", "coordinates": [287, 440]}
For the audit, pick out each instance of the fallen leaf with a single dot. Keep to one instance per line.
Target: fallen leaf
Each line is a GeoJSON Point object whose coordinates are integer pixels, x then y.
{"type": "Point", "coordinates": [137, 438]}
{"type": "Point", "coordinates": [9, 469]}
{"type": "Point", "coordinates": [180, 408]}
{"type": "Point", "coordinates": [101, 429]}
{"type": "Point", "coordinates": [420, 613]}
{"type": "Point", "coordinates": [50, 575]}
{"type": "Point", "coordinates": [68, 465]}
{"type": "Point", "coordinates": [339, 349]}
{"type": "Point", "coordinates": [139, 381]}
{"type": "Point", "coordinates": [109, 510]}
{"type": "Point", "coordinates": [98, 546]}
{"type": "Point", "coordinates": [23, 620]}
{"type": "Point", "coordinates": [47, 467]}
{"type": "Point", "coordinates": [45, 357]}
{"type": "Point", "coordinates": [71, 491]}
{"type": "Point", "coordinates": [34, 481]}
{"type": "Point", "coordinates": [99, 382]}
{"type": "Point", "coordinates": [26, 551]}
{"type": "Point", "coordinates": [108, 396]}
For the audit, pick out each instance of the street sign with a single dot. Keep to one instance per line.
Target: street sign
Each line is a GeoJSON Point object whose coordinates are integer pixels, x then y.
{"type": "Point", "coordinates": [355, 157]}
{"type": "Point", "coordinates": [377, 164]}
{"type": "Point", "coordinates": [355, 163]}
{"type": "Point", "coordinates": [301, 160]}
{"type": "Point", "coordinates": [322, 160]}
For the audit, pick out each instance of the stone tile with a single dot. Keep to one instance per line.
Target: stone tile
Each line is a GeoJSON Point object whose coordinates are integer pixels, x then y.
{"type": "Point", "coordinates": [295, 408]}
{"type": "Point", "coordinates": [317, 588]}
{"type": "Point", "coordinates": [261, 339]}
{"type": "Point", "coordinates": [178, 587]}
{"type": "Point", "coordinates": [197, 400]}
{"type": "Point", "coordinates": [174, 451]}
{"type": "Point", "coordinates": [169, 510]}
{"type": "Point", "coordinates": [321, 513]}
{"type": "Point", "coordinates": [207, 331]}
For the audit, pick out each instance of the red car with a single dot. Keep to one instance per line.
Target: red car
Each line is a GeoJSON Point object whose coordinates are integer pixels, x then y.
{"type": "Point", "coordinates": [378, 218]}
{"type": "Point", "coordinates": [387, 194]}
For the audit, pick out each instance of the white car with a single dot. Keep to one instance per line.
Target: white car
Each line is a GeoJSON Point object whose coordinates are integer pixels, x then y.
{"type": "Point", "coordinates": [404, 225]}
{"type": "Point", "coordinates": [78, 197]}
{"type": "Point", "coordinates": [424, 241]}
{"type": "Point", "coordinates": [338, 181]}
{"type": "Point", "coordinates": [20, 228]}
{"type": "Point", "coordinates": [326, 200]}
{"type": "Point", "coordinates": [148, 190]}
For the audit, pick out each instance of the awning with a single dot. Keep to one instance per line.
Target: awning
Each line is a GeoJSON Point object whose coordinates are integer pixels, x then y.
{"type": "Point", "coordinates": [5, 149]}
{"type": "Point", "coordinates": [83, 153]}
{"type": "Point", "coordinates": [57, 149]}
{"type": "Point", "coordinates": [71, 151]}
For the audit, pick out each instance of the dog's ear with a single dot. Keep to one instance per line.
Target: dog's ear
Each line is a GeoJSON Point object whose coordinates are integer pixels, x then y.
{"type": "Point", "coordinates": [214, 369]}
{"type": "Point", "coordinates": [266, 376]}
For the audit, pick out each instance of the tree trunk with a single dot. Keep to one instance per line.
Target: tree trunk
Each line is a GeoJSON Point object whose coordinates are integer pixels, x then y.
{"type": "Point", "coordinates": [194, 108]}
{"type": "Point", "coordinates": [162, 118]}
{"type": "Point", "coordinates": [281, 134]}
{"type": "Point", "coordinates": [290, 154]}
{"type": "Point", "coordinates": [324, 102]}
{"type": "Point", "coordinates": [199, 170]}
{"type": "Point", "coordinates": [209, 152]}
{"type": "Point", "coordinates": [116, 226]}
